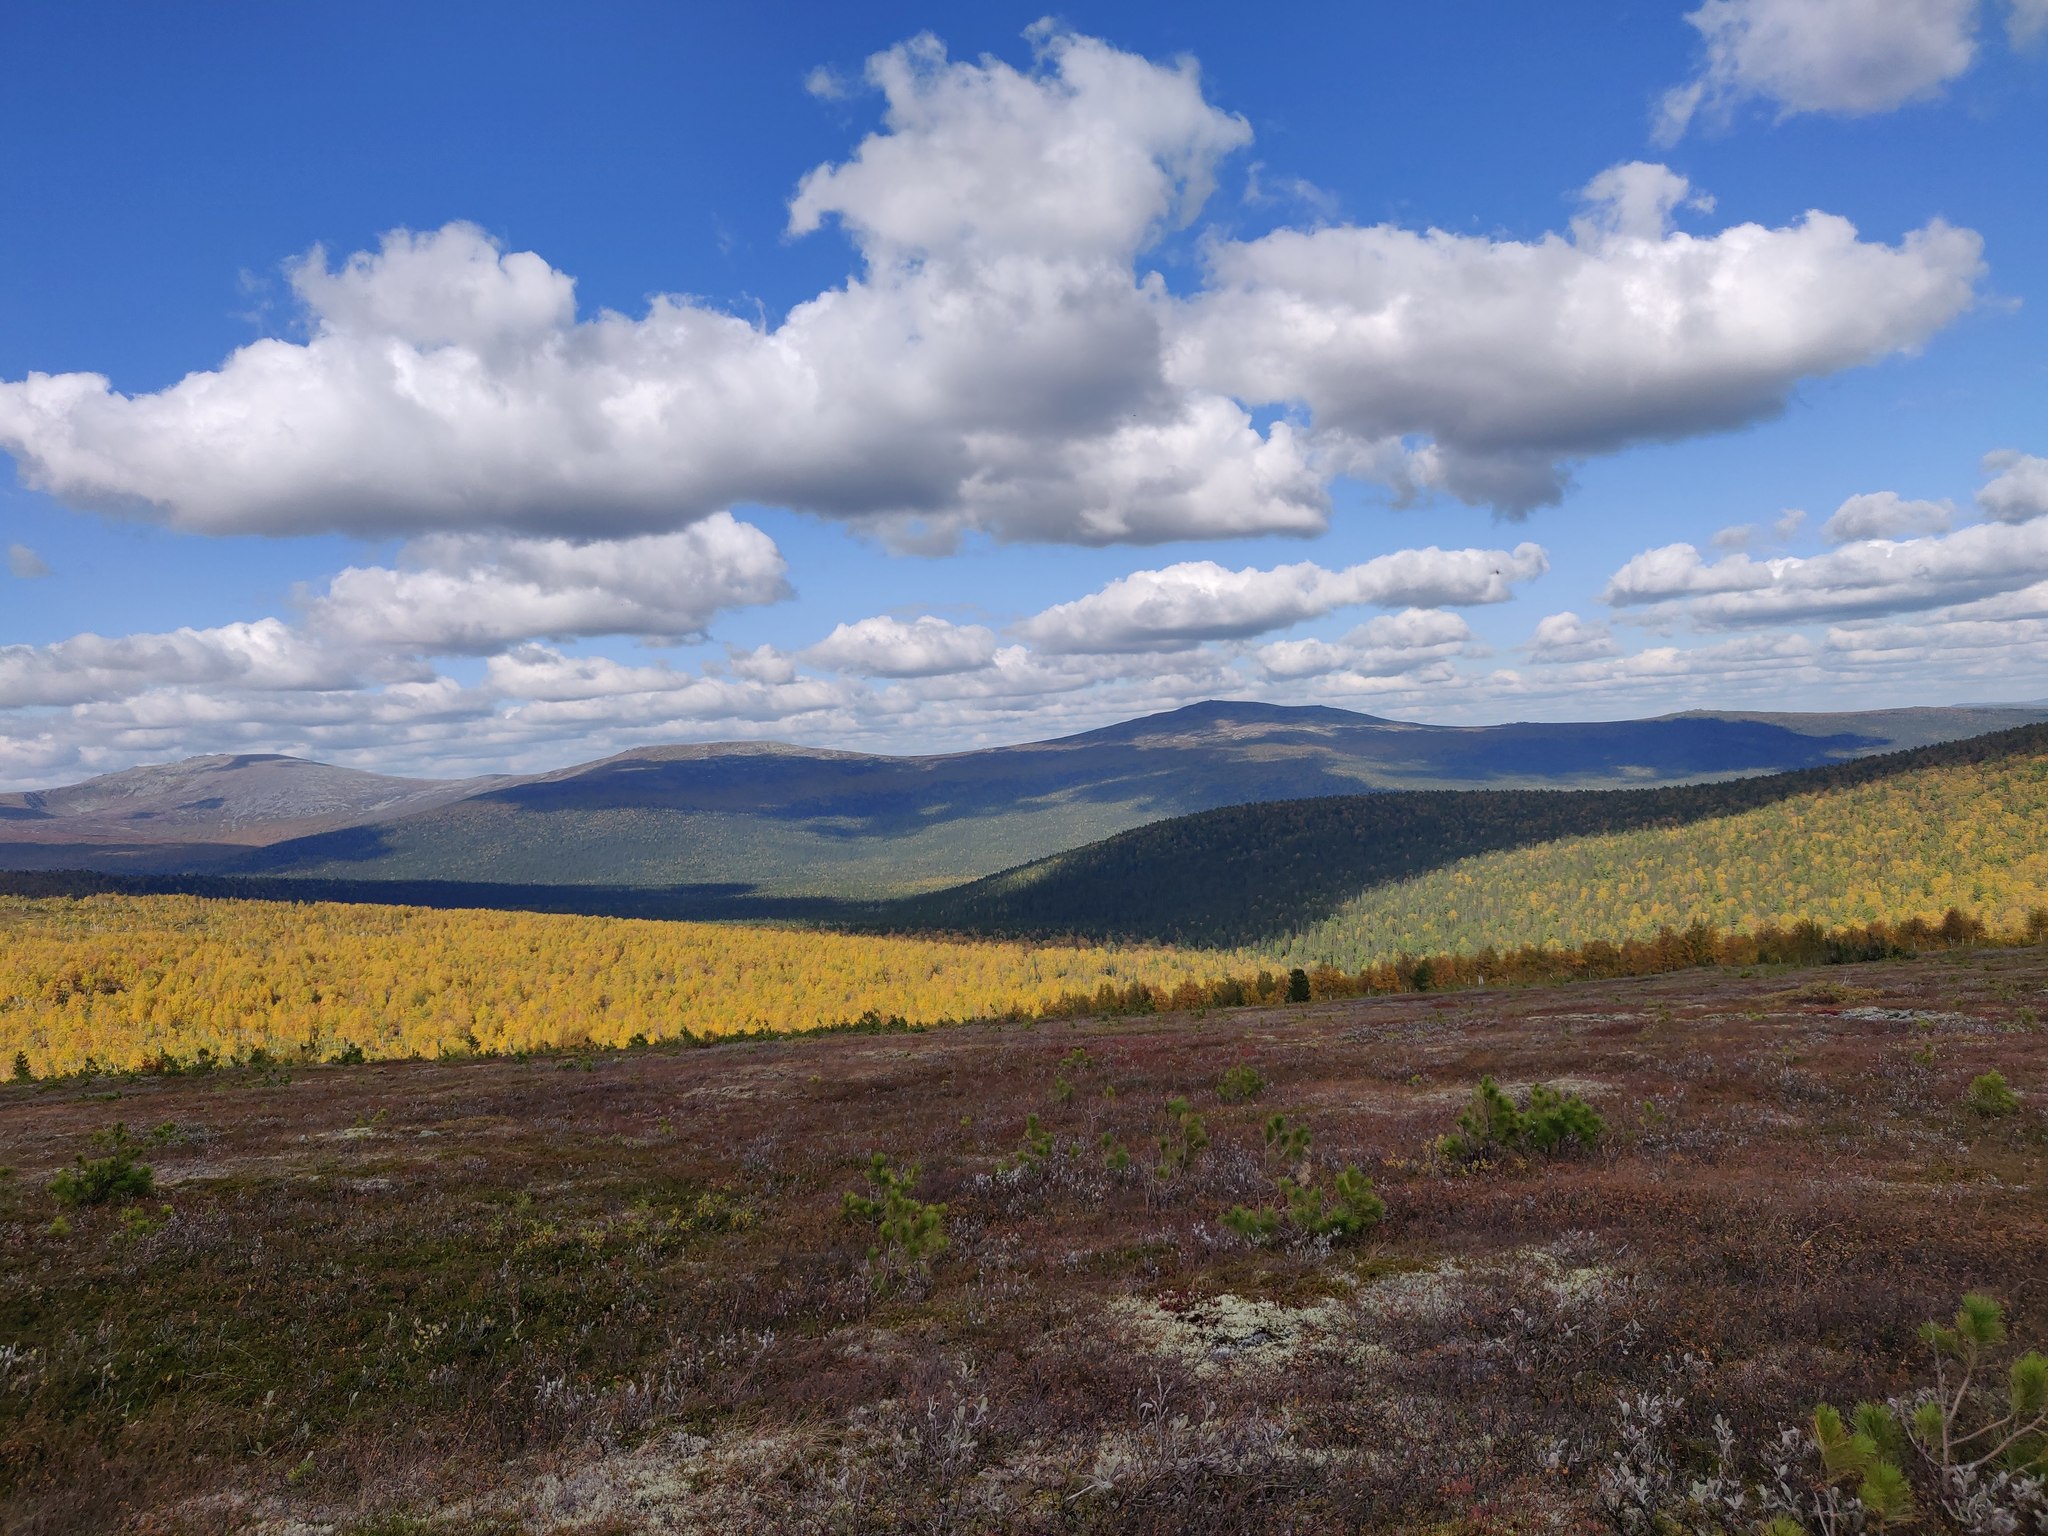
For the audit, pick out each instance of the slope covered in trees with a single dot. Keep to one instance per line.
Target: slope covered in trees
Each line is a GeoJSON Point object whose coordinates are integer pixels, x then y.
{"type": "Point", "coordinates": [1972, 836]}
{"type": "Point", "coordinates": [1257, 875]}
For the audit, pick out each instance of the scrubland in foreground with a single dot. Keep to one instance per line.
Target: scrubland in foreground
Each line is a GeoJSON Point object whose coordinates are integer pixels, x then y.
{"type": "Point", "coordinates": [619, 1293]}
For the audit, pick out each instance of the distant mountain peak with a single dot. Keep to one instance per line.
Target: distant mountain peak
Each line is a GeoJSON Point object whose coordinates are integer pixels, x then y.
{"type": "Point", "coordinates": [1223, 716]}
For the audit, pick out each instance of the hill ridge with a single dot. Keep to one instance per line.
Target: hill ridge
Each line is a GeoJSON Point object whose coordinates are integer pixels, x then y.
{"type": "Point", "coordinates": [1250, 874]}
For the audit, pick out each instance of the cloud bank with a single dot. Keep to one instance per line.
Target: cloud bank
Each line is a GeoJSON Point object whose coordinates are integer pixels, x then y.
{"type": "Point", "coordinates": [1002, 358]}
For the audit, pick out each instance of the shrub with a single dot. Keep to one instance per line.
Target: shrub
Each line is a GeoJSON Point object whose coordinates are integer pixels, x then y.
{"type": "Point", "coordinates": [1973, 1443]}
{"type": "Point", "coordinates": [137, 1222]}
{"type": "Point", "coordinates": [1865, 1453]}
{"type": "Point", "coordinates": [1116, 1157]}
{"type": "Point", "coordinates": [906, 1225]}
{"type": "Point", "coordinates": [1351, 1208]}
{"type": "Point", "coordinates": [1184, 1139]}
{"type": "Point", "coordinates": [1037, 1146]}
{"type": "Point", "coordinates": [117, 1176]}
{"type": "Point", "coordinates": [350, 1055]}
{"type": "Point", "coordinates": [1486, 1124]}
{"type": "Point", "coordinates": [1491, 1123]}
{"type": "Point", "coordinates": [1554, 1119]}
{"type": "Point", "coordinates": [23, 1072]}
{"type": "Point", "coordinates": [1990, 1097]}
{"type": "Point", "coordinates": [1240, 1083]}
{"type": "Point", "coordinates": [1297, 985]}
{"type": "Point", "coordinates": [1289, 1142]}
{"type": "Point", "coordinates": [1255, 1224]}
{"type": "Point", "coordinates": [1964, 1431]}
{"type": "Point", "coordinates": [1354, 1208]}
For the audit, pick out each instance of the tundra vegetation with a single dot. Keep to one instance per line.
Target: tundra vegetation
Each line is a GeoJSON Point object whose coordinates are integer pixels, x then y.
{"type": "Point", "coordinates": [884, 1281]}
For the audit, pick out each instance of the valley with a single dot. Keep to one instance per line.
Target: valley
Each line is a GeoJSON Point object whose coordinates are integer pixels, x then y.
{"type": "Point", "coordinates": [366, 1299]}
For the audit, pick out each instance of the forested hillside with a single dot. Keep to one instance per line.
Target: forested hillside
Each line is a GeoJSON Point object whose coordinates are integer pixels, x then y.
{"type": "Point", "coordinates": [1260, 874]}
{"type": "Point", "coordinates": [1972, 836]}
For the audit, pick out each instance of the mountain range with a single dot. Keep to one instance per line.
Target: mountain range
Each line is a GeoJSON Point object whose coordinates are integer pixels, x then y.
{"type": "Point", "coordinates": [767, 820]}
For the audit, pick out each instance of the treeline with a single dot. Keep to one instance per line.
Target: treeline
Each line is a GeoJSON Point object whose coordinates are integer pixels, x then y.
{"type": "Point", "coordinates": [1802, 943]}
{"type": "Point", "coordinates": [164, 984]}
{"type": "Point", "coordinates": [124, 982]}
{"type": "Point", "coordinates": [1255, 875]}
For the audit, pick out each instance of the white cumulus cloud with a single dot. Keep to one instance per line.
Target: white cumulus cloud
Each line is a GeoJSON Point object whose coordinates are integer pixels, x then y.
{"type": "Point", "coordinates": [1387, 646]}
{"type": "Point", "coordinates": [1000, 358]}
{"type": "Point", "coordinates": [2018, 490]}
{"type": "Point", "coordinates": [1513, 359]}
{"type": "Point", "coordinates": [997, 361]}
{"type": "Point", "coordinates": [1565, 637]}
{"type": "Point", "coordinates": [475, 594]}
{"type": "Point", "coordinates": [267, 655]}
{"type": "Point", "coordinates": [890, 647]}
{"type": "Point", "coordinates": [1879, 576]}
{"type": "Point", "coordinates": [1847, 57]}
{"type": "Point", "coordinates": [1200, 600]}
{"type": "Point", "coordinates": [1886, 515]}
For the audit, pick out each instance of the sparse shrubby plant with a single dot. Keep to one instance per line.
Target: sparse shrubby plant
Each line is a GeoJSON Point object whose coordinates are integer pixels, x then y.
{"type": "Point", "coordinates": [1116, 1157]}
{"type": "Point", "coordinates": [138, 1222]}
{"type": "Point", "coordinates": [908, 1227]}
{"type": "Point", "coordinates": [116, 1176]}
{"type": "Point", "coordinates": [1350, 1208]}
{"type": "Point", "coordinates": [1554, 1119]}
{"type": "Point", "coordinates": [1036, 1147]}
{"type": "Point", "coordinates": [1488, 1123]}
{"type": "Point", "coordinates": [1492, 1124]}
{"type": "Point", "coordinates": [1255, 1224]}
{"type": "Point", "coordinates": [1991, 1097]}
{"type": "Point", "coordinates": [1183, 1140]}
{"type": "Point", "coordinates": [1971, 1428]}
{"type": "Point", "coordinates": [1968, 1452]}
{"type": "Point", "coordinates": [1863, 1457]}
{"type": "Point", "coordinates": [1240, 1083]}
{"type": "Point", "coordinates": [1289, 1142]}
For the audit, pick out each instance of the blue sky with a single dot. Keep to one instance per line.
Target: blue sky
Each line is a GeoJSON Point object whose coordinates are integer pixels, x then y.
{"type": "Point", "coordinates": [975, 377]}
